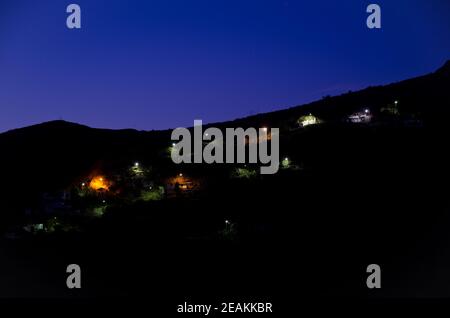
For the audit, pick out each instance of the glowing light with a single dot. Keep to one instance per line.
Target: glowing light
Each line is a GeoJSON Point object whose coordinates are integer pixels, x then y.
{"type": "Point", "coordinates": [285, 163]}
{"type": "Point", "coordinates": [98, 183]}
{"type": "Point", "coordinates": [173, 144]}
{"type": "Point", "coordinates": [180, 174]}
{"type": "Point", "coordinates": [136, 164]}
{"type": "Point", "coordinates": [308, 120]}
{"type": "Point", "coordinates": [264, 128]}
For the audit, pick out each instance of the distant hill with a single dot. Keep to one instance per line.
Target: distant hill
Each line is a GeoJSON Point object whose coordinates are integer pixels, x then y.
{"type": "Point", "coordinates": [351, 194]}
{"type": "Point", "coordinates": [52, 155]}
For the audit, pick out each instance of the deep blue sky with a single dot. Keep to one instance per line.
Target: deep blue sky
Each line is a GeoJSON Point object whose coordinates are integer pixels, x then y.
{"type": "Point", "coordinates": [161, 64]}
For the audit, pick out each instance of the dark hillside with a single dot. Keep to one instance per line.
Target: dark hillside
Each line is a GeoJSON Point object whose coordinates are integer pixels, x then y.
{"type": "Point", "coordinates": [347, 195]}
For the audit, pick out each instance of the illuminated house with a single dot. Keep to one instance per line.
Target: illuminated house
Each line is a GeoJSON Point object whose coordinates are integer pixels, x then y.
{"type": "Point", "coordinates": [181, 185]}
{"type": "Point", "coordinates": [99, 183]}
{"type": "Point", "coordinates": [364, 116]}
{"type": "Point", "coordinates": [391, 109]}
{"type": "Point", "coordinates": [308, 120]}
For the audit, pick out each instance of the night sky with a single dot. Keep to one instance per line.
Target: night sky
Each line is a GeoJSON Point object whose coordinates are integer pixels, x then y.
{"type": "Point", "coordinates": [162, 64]}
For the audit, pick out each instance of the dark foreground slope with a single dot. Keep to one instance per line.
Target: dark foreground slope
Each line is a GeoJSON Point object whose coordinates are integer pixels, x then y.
{"type": "Point", "coordinates": [359, 194]}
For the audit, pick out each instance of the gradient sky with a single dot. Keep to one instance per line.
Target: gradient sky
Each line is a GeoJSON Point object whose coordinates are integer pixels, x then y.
{"type": "Point", "coordinates": [162, 64]}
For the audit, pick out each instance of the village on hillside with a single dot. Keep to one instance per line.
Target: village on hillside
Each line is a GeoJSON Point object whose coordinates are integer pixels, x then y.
{"type": "Point", "coordinates": [92, 195]}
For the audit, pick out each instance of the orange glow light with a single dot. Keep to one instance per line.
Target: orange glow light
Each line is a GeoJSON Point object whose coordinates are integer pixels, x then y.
{"type": "Point", "coordinates": [98, 183]}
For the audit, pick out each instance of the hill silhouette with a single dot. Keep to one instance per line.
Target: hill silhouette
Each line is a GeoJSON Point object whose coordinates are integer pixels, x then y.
{"type": "Point", "coordinates": [351, 194]}
{"type": "Point", "coordinates": [53, 154]}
